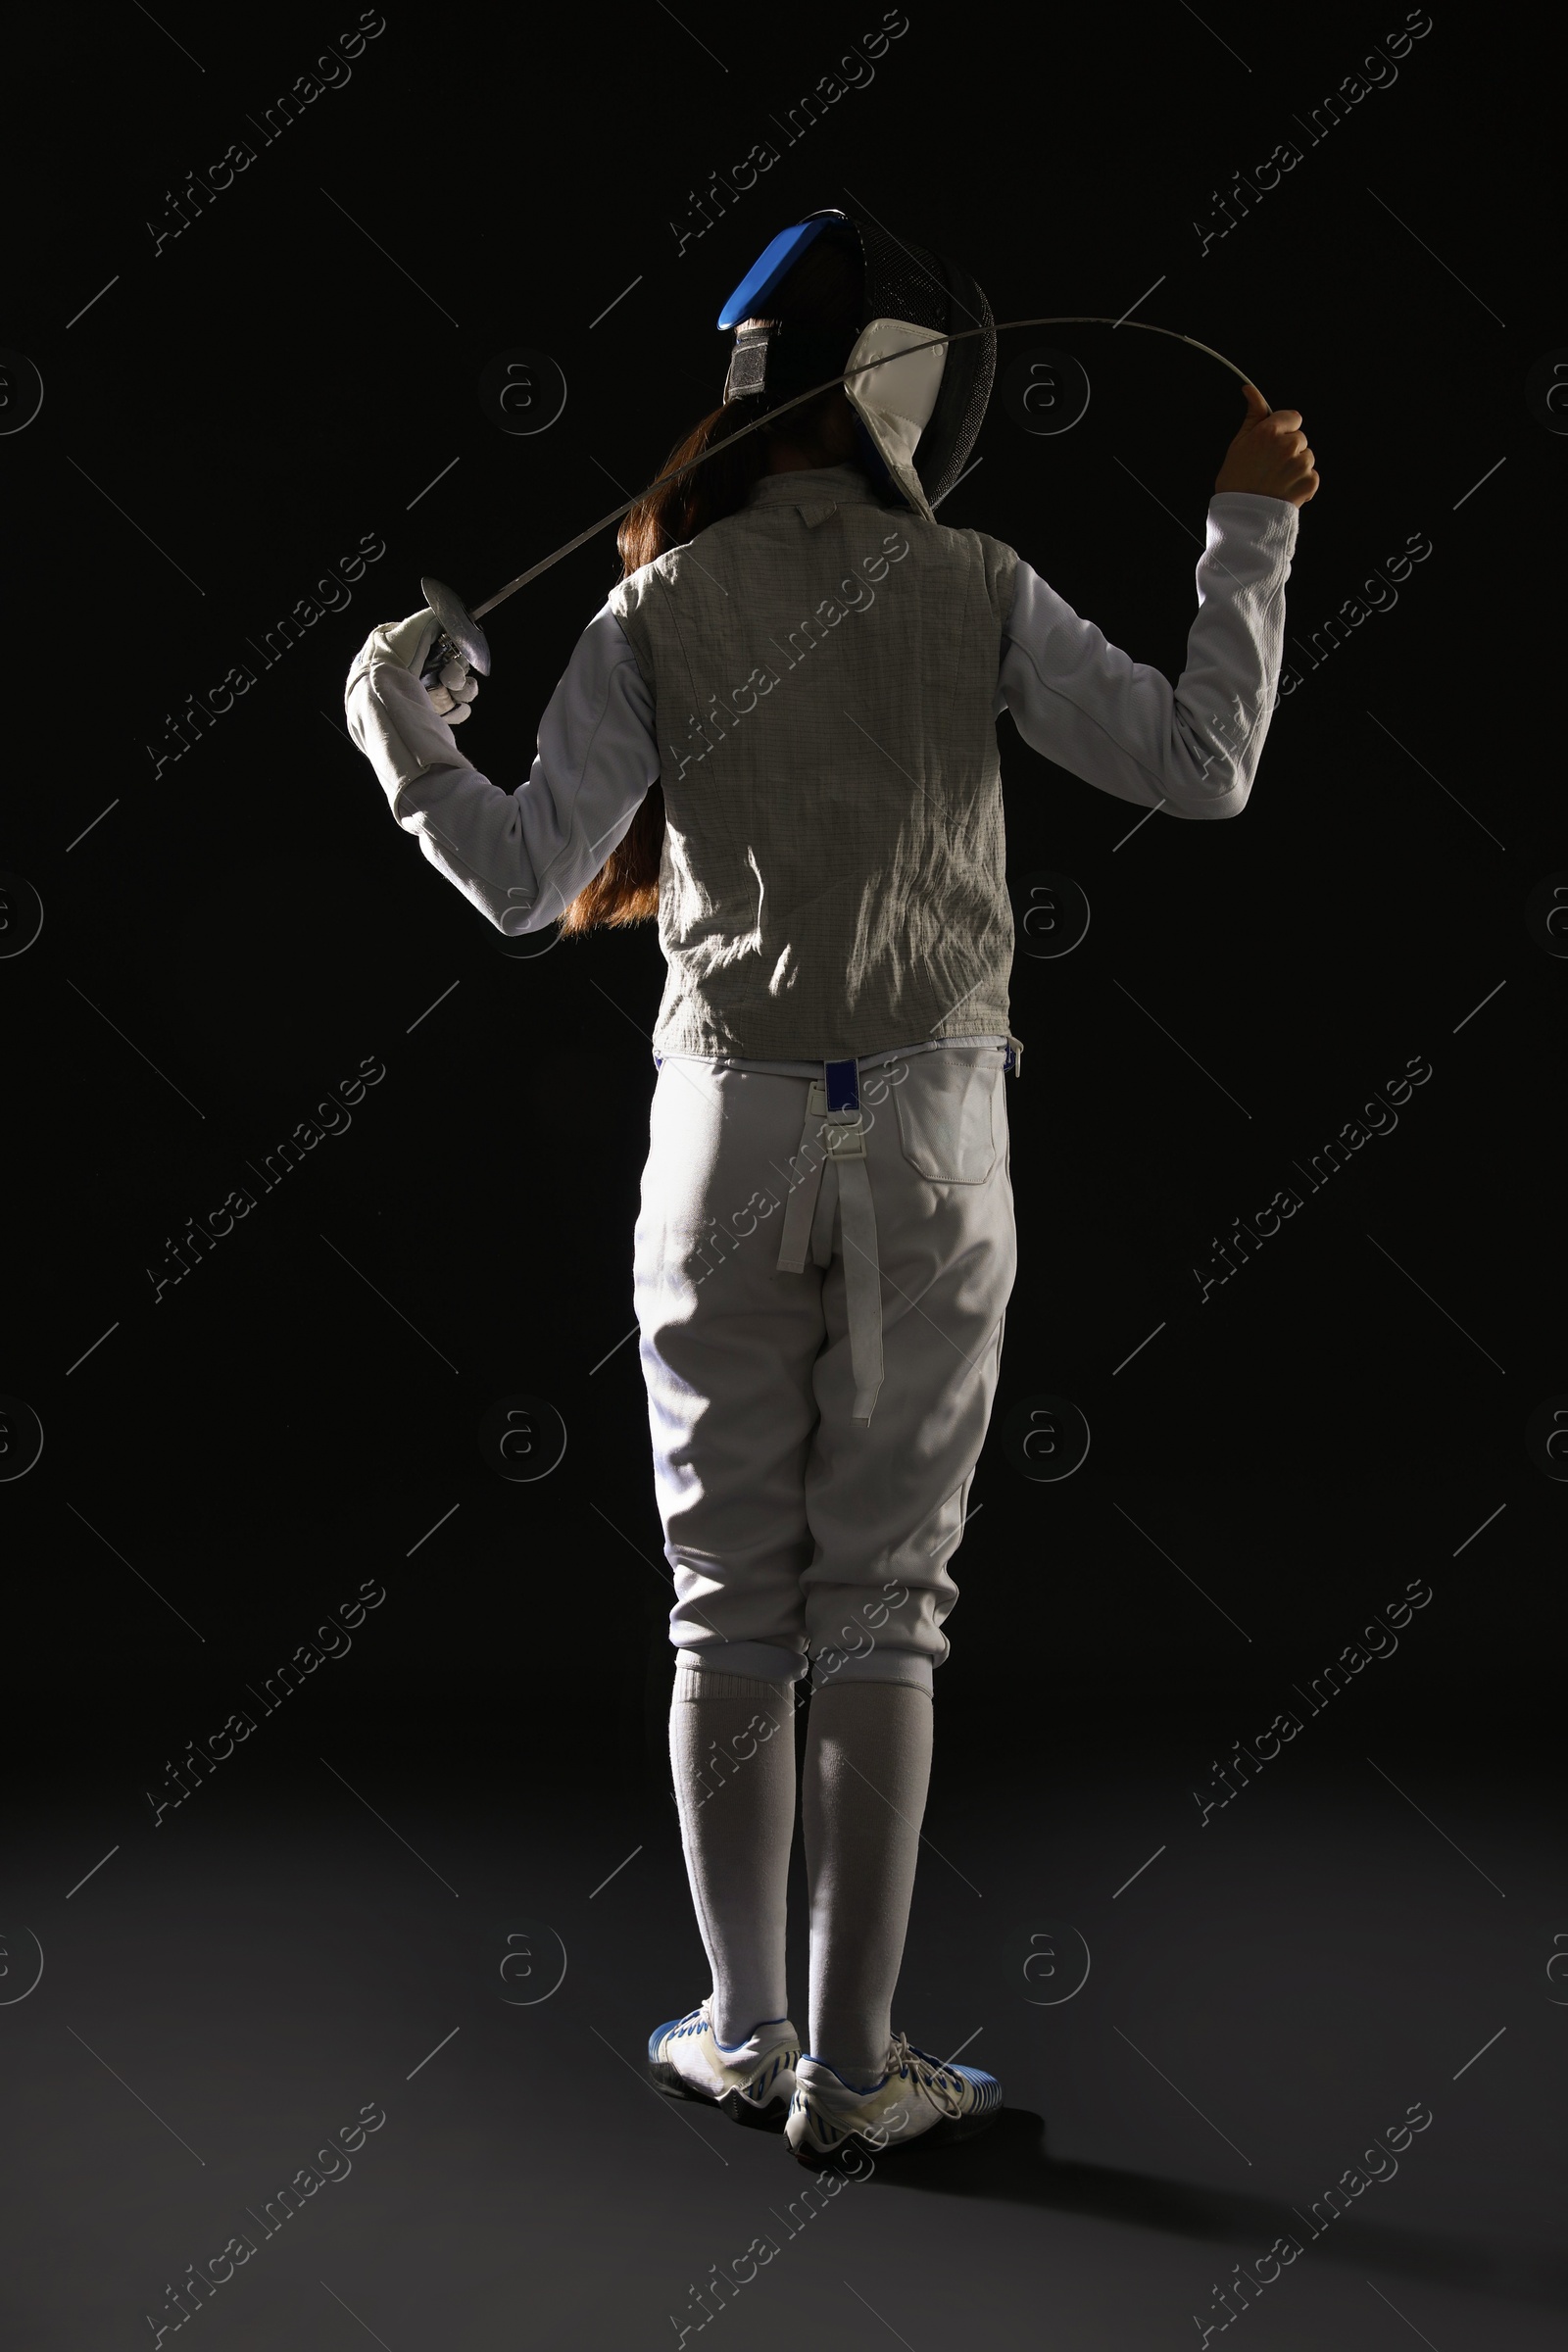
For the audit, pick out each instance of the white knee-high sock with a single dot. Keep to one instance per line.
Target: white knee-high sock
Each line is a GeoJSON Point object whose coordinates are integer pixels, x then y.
{"type": "Point", "coordinates": [868, 1768]}
{"type": "Point", "coordinates": [732, 1755]}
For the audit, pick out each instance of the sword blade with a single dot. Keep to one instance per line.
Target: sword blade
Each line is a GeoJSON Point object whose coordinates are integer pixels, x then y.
{"type": "Point", "coordinates": [1001, 328]}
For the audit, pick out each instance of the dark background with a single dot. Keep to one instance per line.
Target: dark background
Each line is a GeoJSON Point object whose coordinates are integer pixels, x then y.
{"type": "Point", "coordinates": [221, 425]}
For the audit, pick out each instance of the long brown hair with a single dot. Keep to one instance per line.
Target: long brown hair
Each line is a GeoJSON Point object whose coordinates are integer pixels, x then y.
{"type": "Point", "coordinates": [820, 290]}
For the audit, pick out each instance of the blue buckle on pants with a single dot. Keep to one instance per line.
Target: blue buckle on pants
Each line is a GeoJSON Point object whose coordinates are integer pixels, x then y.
{"type": "Point", "coordinates": [843, 1085]}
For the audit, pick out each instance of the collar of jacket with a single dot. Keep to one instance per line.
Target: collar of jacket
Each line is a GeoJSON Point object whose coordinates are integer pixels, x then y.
{"type": "Point", "coordinates": [816, 490]}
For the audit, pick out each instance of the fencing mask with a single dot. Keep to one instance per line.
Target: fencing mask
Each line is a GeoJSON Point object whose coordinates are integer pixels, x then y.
{"type": "Point", "coordinates": [918, 416]}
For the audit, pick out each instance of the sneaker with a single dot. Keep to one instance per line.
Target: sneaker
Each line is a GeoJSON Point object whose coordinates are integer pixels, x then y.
{"type": "Point", "coordinates": [917, 2099]}
{"type": "Point", "coordinates": [751, 2080]}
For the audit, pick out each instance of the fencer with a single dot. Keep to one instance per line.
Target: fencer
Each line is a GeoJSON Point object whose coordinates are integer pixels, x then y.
{"type": "Point", "coordinates": [777, 736]}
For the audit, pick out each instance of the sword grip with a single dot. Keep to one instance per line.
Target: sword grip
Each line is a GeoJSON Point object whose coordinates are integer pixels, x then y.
{"type": "Point", "coordinates": [461, 634]}
{"type": "Point", "coordinates": [441, 652]}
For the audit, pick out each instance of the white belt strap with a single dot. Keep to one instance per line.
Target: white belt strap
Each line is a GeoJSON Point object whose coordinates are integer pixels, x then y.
{"type": "Point", "coordinates": [834, 1136]}
{"type": "Point", "coordinates": [797, 1237]}
{"type": "Point", "coordinates": [862, 1276]}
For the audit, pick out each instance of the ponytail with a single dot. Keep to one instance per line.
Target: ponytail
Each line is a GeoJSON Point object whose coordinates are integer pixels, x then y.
{"type": "Point", "coordinates": [626, 888]}
{"type": "Point", "coordinates": [820, 291]}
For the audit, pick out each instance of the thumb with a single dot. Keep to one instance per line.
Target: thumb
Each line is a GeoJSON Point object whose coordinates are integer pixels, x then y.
{"type": "Point", "coordinates": [1256, 405]}
{"type": "Point", "coordinates": [410, 639]}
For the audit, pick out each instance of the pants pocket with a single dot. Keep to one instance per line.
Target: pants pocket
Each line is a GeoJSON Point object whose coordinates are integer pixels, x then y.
{"type": "Point", "coordinates": [952, 1121]}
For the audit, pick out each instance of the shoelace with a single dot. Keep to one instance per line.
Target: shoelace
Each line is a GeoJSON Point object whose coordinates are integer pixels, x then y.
{"type": "Point", "coordinates": [942, 2088]}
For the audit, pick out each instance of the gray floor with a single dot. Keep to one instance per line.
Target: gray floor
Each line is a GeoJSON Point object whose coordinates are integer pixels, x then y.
{"type": "Point", "coordinates": [292, 1952]}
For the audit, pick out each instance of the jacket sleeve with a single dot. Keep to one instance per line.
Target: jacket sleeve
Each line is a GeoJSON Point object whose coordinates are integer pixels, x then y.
{"type": "Point", "coordinates": [520, 857]}
{"type": "Point", "coordinates": [1193, 748]}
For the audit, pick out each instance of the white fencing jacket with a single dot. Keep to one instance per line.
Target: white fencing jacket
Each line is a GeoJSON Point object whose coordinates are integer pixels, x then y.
{"type": "Point", "coordinates": [819, 708]}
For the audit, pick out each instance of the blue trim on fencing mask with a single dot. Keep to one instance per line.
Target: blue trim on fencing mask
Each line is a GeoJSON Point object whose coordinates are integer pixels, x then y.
{"type": "Point", "coordinates": [769, 266]}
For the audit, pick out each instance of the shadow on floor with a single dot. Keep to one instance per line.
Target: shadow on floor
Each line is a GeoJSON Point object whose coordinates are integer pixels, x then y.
{"type": "Point", "coordinates": [1011, 2165]}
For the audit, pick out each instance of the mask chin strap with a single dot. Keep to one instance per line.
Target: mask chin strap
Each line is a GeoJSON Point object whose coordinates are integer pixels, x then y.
{"type": "Point", "coordinates": [894, 402]}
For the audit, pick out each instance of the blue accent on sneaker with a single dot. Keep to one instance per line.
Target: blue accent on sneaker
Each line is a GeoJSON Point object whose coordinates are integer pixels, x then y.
{"type": "Point", "coordinates": [759, 2099]}
{"type": "Point", "coordinates": [825, 2123]}
{"type": "Point", "coordinates": [727, 2046]}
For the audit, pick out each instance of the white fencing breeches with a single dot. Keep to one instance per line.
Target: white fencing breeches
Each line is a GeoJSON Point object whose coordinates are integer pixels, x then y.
{"type": "Point", "coordinates": [821, 1299]}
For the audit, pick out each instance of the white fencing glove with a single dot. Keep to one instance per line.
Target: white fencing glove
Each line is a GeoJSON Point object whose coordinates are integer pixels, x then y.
{"type": "Point", "coordinates": [452, 690]}
{"type": "Point", "coordinates": [403, 727]}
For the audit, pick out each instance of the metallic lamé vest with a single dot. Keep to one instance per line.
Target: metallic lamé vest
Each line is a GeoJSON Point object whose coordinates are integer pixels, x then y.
{"type": "Point", "coordinates": [823, 671]}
